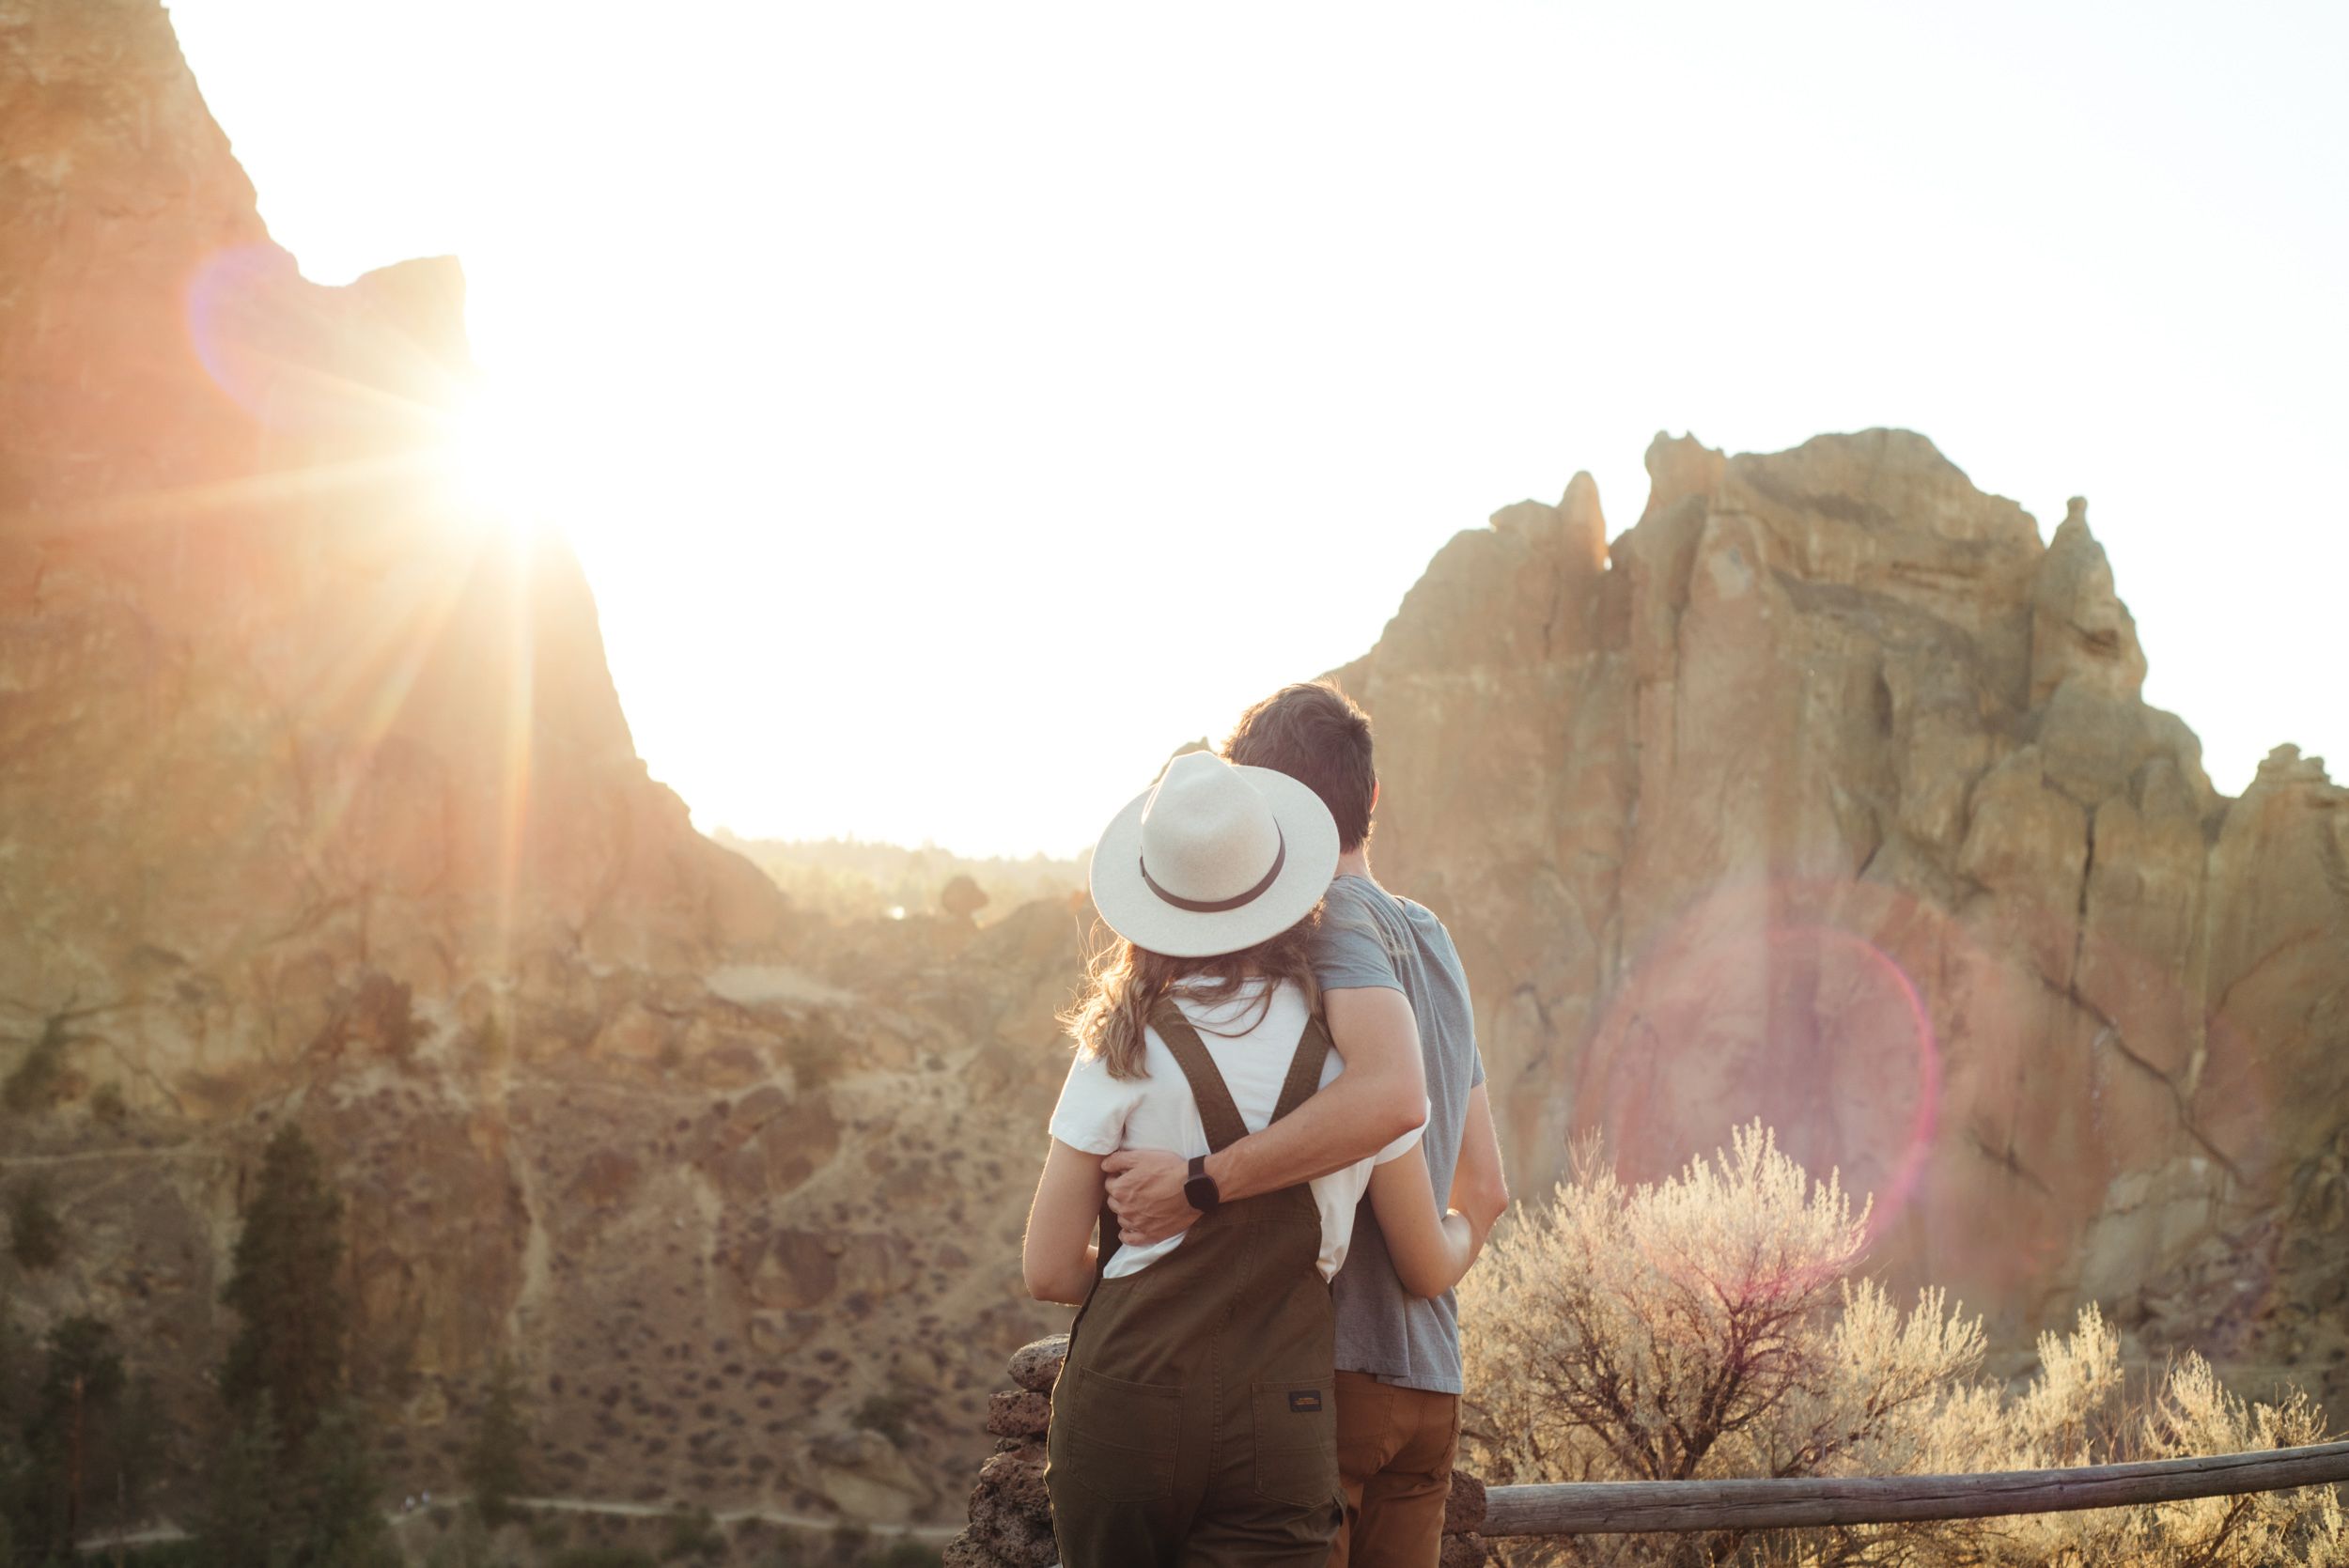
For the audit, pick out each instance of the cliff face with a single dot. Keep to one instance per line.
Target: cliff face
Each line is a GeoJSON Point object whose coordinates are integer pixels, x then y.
{"type": "Point", "coordinates": [1826, 794]}
{"type": "Point", "coordinates": [317, 801]}
{"type": "Point", "coordinates": [247, 618]}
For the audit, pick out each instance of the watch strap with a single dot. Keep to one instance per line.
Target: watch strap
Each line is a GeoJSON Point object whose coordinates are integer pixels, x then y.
{"type": "Point", "coordinates": [1199, 1184]}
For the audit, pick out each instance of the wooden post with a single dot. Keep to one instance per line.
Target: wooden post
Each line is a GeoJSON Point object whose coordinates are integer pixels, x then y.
{"type": "Point", "coordinates": [1612, 1507]}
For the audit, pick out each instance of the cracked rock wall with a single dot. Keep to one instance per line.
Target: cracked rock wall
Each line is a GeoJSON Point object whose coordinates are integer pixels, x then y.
{"type": "Point", "coordinates": [1827, 794]}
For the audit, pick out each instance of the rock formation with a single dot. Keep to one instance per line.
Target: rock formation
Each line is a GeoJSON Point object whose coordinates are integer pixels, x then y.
{"type": "Point", "coordinates": [1826, 794]}
{"type": "Point", "coordinates": [317, 801]}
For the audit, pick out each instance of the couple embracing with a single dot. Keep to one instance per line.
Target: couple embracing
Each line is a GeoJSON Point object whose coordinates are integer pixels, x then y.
{"type": "Point", "coordinates": [1259, 1374]}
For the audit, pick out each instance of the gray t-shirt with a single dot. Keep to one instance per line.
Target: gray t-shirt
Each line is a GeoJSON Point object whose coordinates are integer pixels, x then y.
{"type": "Point", "coordinates": [1369, 937]}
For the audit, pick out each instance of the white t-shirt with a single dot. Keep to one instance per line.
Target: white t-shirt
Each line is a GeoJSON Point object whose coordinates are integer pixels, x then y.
{"type": "Point", "coordinates": [1099, 1114]}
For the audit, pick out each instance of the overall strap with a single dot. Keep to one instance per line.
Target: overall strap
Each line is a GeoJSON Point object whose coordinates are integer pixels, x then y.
{"type": "Point", "coordinates": [1217, 1112]}
{"type": "Point", "coordinates": [1312, 1049]}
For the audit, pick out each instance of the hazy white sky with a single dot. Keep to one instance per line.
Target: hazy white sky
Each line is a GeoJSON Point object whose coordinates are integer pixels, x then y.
{"type": "Point", "coordinates": [958, 405]}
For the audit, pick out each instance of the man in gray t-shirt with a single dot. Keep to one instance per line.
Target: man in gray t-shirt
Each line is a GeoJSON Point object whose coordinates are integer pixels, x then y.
{"type": "Point", "coordinates": [1369, 937]}
{"type": "Point", "coordinates": [1398, 1006]}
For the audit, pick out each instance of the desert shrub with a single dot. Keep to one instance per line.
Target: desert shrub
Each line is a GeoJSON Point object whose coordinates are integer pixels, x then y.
{"type": "Point", "coordinates": [36, 1236]}
{"type": "Point", "coordinates": [156, 1554]}
{"type": "Point", "coordinates": [35, 1077]}
{"type": "Point", "coordinates": [601, 1556]}
{"type": "Point", "coordinates": [818, 1052]}
{"type": "Point", "coordinates": [886, 1414]}
{"type": "Point", "coordinates": [2077, 1410]}
{"type": "Point", "coordinates": [791, 1548]}
{"type": "Point", "coordinates": [107, 1104]}
{"type": "Point", "coordinates": [464, 1541]}
{"type": "Point", "coordinates": [1709, 1326]}
{"type": "Point", "coordinates": [693, 1533]}
{"type": "Point", "coordinates": [902, 1554]}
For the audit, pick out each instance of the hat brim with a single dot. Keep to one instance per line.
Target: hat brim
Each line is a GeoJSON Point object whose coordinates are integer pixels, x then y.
{"type": "Point", "coordinates": [1130, 908]}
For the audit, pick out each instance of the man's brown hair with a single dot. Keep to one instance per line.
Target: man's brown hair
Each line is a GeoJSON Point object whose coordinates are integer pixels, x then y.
{"type": "Point", "coordinates": [1315, 734]}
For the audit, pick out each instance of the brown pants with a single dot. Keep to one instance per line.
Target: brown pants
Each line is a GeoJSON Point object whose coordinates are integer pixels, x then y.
{"type": "Point", "coordinates": [1395, 1459]}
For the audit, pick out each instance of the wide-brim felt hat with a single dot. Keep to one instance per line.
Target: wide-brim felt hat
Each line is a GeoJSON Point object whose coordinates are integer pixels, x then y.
{"type": "Point", "coordinates": [1213, 858]}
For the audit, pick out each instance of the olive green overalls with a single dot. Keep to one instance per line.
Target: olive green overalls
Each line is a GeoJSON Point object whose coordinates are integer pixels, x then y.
{"type": "Point", "coordinates": [1195, 1421]}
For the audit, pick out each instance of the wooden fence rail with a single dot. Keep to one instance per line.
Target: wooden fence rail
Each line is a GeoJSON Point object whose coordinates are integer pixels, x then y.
{"type": "Point", "coordinates": [1618, 1507]}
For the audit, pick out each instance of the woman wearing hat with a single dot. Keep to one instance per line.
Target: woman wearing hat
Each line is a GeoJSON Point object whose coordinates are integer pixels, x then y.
{"type": "Point", "coordinates": [1194, 1421]}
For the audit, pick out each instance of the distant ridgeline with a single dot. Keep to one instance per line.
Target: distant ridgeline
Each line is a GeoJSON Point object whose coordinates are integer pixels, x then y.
{"type": "Point", "coordinates": [1824, 795]}
{"type": "Point", "coordinates": [845, 880]}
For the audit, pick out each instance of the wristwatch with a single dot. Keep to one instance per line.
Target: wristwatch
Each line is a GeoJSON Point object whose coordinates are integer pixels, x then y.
{"type": "Point", "coordinates": [1199, 1190]}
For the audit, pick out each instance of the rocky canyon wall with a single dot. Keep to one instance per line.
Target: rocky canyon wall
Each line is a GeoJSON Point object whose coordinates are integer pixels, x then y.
{"type": "Point", "coordinates": [1827, 794]}
{"type": "Point", "coordinates": [317, 802]}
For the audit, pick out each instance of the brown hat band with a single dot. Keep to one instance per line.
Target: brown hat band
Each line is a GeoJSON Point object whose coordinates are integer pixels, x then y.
{"type": "Point", "coordinates": [1210, 907]}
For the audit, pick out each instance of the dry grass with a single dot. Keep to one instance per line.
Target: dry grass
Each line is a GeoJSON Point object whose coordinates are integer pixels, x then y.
{"type": "Point", "coordinates": [1710, 1327]}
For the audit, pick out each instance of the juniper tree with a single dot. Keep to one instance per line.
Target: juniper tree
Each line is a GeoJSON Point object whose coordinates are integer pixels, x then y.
{"type": "Point", "coordinates": [36, 1236]}
{"type": "Point", "coordinates": [286, 1285]}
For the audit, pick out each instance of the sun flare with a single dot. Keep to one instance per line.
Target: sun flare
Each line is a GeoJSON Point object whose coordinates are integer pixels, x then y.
{"type": "Point", "coordinates": [505, 463]}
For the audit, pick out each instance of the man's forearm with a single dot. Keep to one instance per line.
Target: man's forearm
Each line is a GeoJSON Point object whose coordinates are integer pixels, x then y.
{"type": "Point", "coordinates": [1381, 1094]}
{"type": "Point", "coordinates": [1356, 1116]}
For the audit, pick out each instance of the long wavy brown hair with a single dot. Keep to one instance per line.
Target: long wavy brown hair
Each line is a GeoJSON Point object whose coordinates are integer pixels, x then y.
{"type": "Point", "coordinates": [1124, 983]}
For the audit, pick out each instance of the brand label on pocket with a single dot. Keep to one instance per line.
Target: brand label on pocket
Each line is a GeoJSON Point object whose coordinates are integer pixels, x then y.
{"type": "Point", "coordinates": [1304, 1401]}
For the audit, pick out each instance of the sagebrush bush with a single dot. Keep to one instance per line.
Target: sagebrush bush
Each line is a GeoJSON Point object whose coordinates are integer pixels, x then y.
{"type": "Point", "coordinates": [36, 1234]}
{"type": "Point", "coordinates": [1710, 1327]}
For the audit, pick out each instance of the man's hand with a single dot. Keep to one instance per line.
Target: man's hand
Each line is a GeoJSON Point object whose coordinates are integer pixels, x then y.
{"type": "Point", "coordinates": [1146, 1188]}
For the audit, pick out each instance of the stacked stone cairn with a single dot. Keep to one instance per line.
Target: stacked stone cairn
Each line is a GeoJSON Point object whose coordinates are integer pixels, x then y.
{"type": "Point", "coordinates": [1011, 1516]}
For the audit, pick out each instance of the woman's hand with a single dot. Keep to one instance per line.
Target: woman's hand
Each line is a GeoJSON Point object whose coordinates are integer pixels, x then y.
{"type": "Point", "coordinates": [1429, 1251]}
{"type": "Point", "coordinates": [1057, 1257]}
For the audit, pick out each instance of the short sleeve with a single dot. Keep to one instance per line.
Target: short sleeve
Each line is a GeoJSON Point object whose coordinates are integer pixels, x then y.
{"type": "Point", "coordinates": [1091, 1115]}
{"type": "Point", "coordinates": [1476, 1069]}
{"type": "Point", "coordinates": [1404, 1144]}
{"type": "Point", "coordinates": [1349, 951]}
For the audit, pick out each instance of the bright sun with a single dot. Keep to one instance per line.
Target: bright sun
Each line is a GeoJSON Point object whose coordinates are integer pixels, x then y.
{"type": "Point", "coordinates": [507, 463]}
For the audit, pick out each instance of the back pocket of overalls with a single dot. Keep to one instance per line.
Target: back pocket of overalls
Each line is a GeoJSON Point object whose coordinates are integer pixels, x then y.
{"type": "Point", "coordinates": [1114, 1438]}
{"type": "Point", "coordinates": [1296, 1442]}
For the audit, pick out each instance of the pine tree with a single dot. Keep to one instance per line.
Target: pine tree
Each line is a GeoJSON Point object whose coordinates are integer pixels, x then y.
{"type": "Point", "coordinates": [494, 1466]}
{"type": "Point", "coordinates": [69, 1437]}
{"type": "Point", "coordinates": [248, 1518]}
{"type": "Point", "coordinates": [285, 1286]}
{"type": "Point", "coordinates": [341, 1514]}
